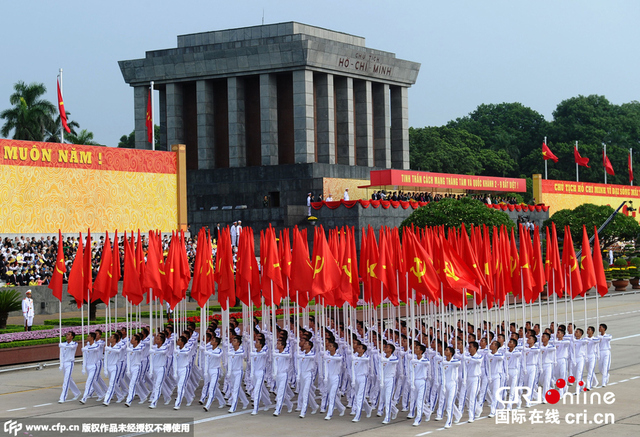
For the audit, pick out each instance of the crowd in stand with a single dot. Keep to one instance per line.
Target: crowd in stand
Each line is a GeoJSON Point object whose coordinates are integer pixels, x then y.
{"type": "Point", "coordinates": [28, 261]}
{"type": "Point", "coordinates": [431, 197]}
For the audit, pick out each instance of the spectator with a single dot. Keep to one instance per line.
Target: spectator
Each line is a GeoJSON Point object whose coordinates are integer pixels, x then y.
{"type": "Point", "coordinates": [346, 194]}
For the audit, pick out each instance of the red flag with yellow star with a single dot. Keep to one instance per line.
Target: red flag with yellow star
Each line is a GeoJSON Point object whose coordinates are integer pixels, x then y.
{"type": "Point", "coordinates": [570, 264]}
{"type": "Point", "coordinates": [76, 284]}
{"type": "Point", "coordinates": [326, 274]}
{"type": "Point", "coordinates": [55, 285]}
{"type": "Point", "coordinates": [301, 269]}
{"type": "Point", "coordinates": [102, 285]}
{"type": "Point", "coordinates": [587, 272]}
{"type": "Point", "coordinates": [271, 270]}
{"type": "Point", "coordinates": [548, 154]}
{"type": "Point", "coordinates": [149, 121]}
{"type": "Point", "coordinates": [598, 265]}
{"type": "Point", "coordinates": [63, 114]}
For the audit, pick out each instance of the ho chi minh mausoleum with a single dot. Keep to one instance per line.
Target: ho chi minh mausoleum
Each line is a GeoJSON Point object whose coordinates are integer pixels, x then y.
{"type": "Point", "coordinates": [276, 110]}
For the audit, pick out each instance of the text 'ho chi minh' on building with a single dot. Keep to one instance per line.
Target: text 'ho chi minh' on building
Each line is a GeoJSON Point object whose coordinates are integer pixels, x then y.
{"type": "Point", "coordinates": [277, 110]}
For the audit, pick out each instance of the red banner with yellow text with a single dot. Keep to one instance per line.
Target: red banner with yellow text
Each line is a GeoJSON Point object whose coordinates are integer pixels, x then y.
{"type": "Point", "coordinates": [419, 179]}
{"type": "Point", "coordinates": [49, 186]}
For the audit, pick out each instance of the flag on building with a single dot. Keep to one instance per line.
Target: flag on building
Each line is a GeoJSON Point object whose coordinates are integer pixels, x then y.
{"type": "Point", "coordinates": [63, 114]}
{"type": "Point", "coordinates": [582, 161]}
{"type": "Point", "coordinates": [607, 164]}
{"type": "Point", "coordinates": [548, 154]}
{"type": "Point", "coordinates": [149, 121]}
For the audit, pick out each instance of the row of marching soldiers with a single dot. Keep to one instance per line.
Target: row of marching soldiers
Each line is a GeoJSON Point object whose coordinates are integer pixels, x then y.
{"type": "Point", "coordinates": [370, 372]}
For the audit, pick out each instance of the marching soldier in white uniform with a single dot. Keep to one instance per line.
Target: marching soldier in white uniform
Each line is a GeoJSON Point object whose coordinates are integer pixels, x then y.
{"type": "Point", "coordinates": [67, 359]}
{"type": "Point", "coordinates": [604, 362]}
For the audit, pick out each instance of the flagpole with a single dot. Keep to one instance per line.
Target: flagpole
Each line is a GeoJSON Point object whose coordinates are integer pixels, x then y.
{"type": "Point", "coordinates": [545, 161]}
{"type": "Point", "coordinates": [153, 126]}
{"type": "Point", "coordinates": [577, 176]}
{"type": "Point", "coordinates": [630, 172]}
{"type": "Point", "coordinates": [605, 167]}
{"type": "Point", "coordinates": [61, 126]}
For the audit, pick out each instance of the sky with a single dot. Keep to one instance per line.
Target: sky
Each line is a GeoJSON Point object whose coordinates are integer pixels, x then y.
{"type": "Point", "coordinates": [471, 52]}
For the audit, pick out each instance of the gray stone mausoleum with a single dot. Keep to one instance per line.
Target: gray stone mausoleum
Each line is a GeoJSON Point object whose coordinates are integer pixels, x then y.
{"type": "Point", "coordinates": [273, 110]}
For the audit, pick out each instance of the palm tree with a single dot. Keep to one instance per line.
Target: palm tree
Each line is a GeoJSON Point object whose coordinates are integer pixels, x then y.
{"type": "Point", "coordinates": [30, 115]}
{"type": "Point", "coordinates": [83, 137]}
{"type": "Point", "coordinates": [52, 134]}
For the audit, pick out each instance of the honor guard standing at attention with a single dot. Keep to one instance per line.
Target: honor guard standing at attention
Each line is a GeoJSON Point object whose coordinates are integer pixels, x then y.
{"type": "Point", "coordinates": [27, 311]}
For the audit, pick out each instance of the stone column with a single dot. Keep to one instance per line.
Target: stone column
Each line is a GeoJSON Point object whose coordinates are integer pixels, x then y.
{"type": "Point", "coordinates": [206, 139]}
{"type": "Point", "coordinates": [345, 125]}
{"type": "Point", "coordinates": [175, 122]}
{"type": "Point", "coordinates": [237, 138]}
{"type": "Point", "coordinates": [269, 118]}
{"type": "Point", "coordinates": [364, 122]}
{"type": "Point", "coordinates": [303, 122]}
{"type": "Point", "coordinates": [399, 128]}
{"type": "Point", "coordinates": [325, 118]}
{"type": "Point", "coordinates": [381, 126]}
{"type": "Point", "coordinates": [140, 99]}
{"type": "Point", "coordinates": [162, 120]}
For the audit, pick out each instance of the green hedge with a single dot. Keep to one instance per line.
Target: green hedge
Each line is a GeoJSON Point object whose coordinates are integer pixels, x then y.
{"type": "Point", "coordinates": [13, 344]}
{"type": "Point", "coordinates": [75, 321]}
{"type": "Point", "coordinates": [19, 328]}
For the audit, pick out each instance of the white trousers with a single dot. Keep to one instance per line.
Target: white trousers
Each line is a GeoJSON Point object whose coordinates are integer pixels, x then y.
{"type": "Point", "coordinates": [235, 381]}
{"type": "Point", "coordinates": [419, 400]}
{"type": "Point", "coordinates": [332, 395]}
{"type": "Point", "coordinates": [68, 383]}
{"type": "Point", "coordinates": [282, 397]}
{"type": "Point", "coordinates": [158, 378]}
{"type": "Point", "coordinates": [590, 365]}
{"type": "Point", "coordinates": [359, 400]}
{"type": "Point", "coordinates": [93, 374]}
{"type": "Point", "coordinates": [213, 391]}
{"type": "Point", "coordinates": [605, 363]}
{"type": "Point", "coordinates": [112, 387]}
{"type": "Point", "coordinates": [472, 387]}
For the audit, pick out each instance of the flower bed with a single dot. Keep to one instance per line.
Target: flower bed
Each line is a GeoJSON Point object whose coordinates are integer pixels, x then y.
{"type": "Point", "coordinates": [51, 333]}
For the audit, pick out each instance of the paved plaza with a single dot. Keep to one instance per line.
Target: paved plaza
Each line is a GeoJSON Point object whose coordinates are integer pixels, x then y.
{"type": "Point", "coordinates": [34, 394]}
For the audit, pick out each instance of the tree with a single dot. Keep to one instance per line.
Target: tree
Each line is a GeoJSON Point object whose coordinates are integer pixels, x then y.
{"type": "Point", "coordinates": [496, 163]}
{"type": "Point", "coordinates": [621, 228]}
{"type": "Point", "coordinates": [30, 116]}
{"type": "Point", "coordinates": [84, 137]}
{"type": "Point", "coordinates": [512, 127]}
{"type": "Point", "coordinates": [444, 150]}
{"type": "Point", "coordinates": [590, 119]}
{"type": "Point", "coordinates": [53, 132]}
{"type": "Point", "coordinates": [10, 300]}
{"type": "Point", "coordinates": [129, 142]}
{"type": "Point", "coordinates": [453, 213]}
